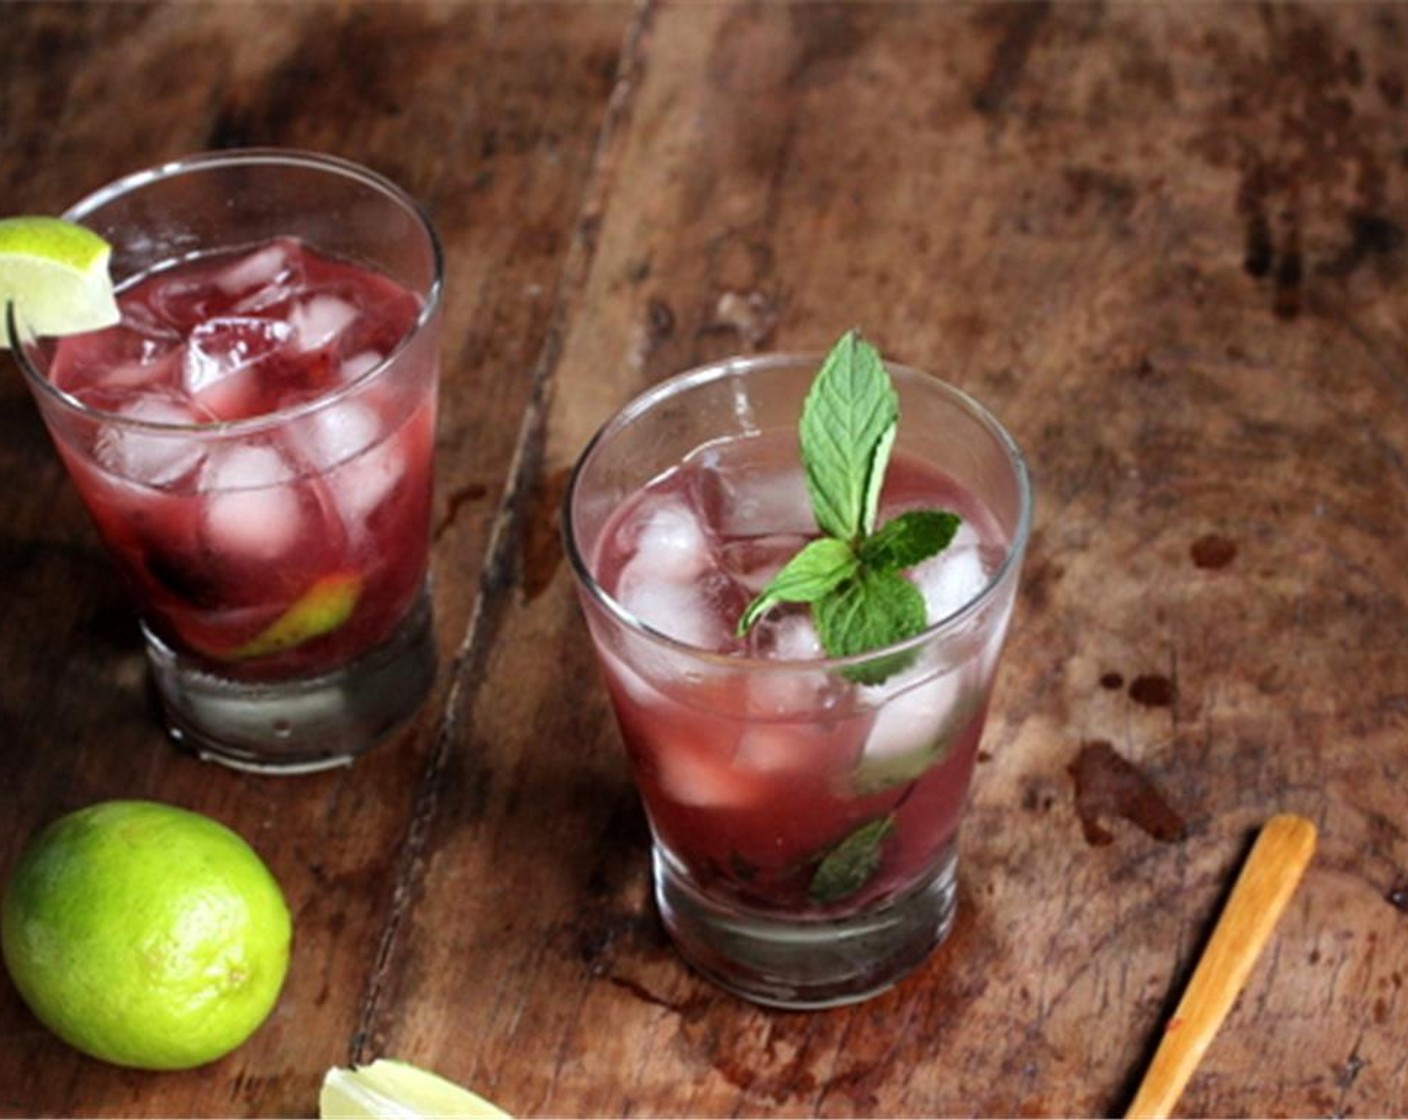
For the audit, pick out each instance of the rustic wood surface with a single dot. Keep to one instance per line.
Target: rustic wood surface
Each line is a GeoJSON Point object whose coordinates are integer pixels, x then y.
{"type": "Point", "coordinates": [1168, 245]}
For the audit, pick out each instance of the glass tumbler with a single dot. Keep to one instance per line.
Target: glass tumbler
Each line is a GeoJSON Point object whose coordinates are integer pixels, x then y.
{"type": "Point", "coordinates": [254, 443]}
{"type": "Point", "coordinates": [804, 810]}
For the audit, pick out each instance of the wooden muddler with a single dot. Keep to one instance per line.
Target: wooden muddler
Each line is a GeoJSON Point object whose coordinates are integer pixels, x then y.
{"type": "Point", "coordinates": [1265, 885]}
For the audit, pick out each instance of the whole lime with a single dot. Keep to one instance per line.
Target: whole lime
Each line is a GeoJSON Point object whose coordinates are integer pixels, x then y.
{"type": "Point", "coordinates": [145, 935]}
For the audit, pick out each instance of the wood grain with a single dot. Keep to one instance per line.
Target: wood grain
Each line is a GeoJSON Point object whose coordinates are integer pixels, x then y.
{"type": "Point", "coordinates": [1166, 244]}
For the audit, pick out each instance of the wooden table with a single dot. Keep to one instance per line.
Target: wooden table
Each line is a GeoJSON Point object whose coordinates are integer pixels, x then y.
{"type": "Point", "coordinates": [1165, 244]}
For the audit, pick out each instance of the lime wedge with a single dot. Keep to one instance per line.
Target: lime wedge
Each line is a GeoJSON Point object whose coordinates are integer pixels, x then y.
{"type": "Point", "coordinates": [391, 1090]}
{"type": "Point", "coordinates": [320, 610]}
{"type": "Point", "coordinates": [56, 274]}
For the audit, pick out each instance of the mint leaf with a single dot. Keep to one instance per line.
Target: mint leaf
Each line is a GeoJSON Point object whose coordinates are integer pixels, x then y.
{"type": "Point", "coordinates": [852, 863]}
{"type": "Point", "coordinates": [872, 610]}
{"type": "Point", "coordinates": [909, 538]}
{"type": "Point", "coordinates": [818, 568]}
{"type": "Point", "coordinates": [847, 433]}
{"type": "Point", "coordinates": [851, 577]}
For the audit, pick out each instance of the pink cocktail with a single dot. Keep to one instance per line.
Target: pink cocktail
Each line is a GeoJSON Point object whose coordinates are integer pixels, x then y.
{"type": "Point", "coordinates": [805, 814]}
{"type": "Point", "coordinates": [254, 442]}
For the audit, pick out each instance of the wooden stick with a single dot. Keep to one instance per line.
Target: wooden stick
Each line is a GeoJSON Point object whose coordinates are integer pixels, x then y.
{"type": "Point", "coordinates": [1264, 887]}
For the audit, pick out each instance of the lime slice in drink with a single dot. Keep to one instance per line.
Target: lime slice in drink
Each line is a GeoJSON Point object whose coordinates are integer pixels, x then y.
{"type": "Point", "coordinates": [391, 1090]}
{"type": "Point", "coordinates": [320, 610]}
{"type": "Point", "coordinates": [56, 275]}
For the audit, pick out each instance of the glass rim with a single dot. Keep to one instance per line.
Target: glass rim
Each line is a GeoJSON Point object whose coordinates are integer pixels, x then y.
{"type": "Point", "coordinates": [18, 333]}
{"type": "Point", "coordinates": [638, 405]}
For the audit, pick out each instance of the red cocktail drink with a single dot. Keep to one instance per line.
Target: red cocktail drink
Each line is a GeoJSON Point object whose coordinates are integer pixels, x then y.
{"type": "Point", "coordinates": [254, 442]}
{"type": "Point", "coordinates": [805, 809]}
{"type": "Point", "coordinates": [221, 540]}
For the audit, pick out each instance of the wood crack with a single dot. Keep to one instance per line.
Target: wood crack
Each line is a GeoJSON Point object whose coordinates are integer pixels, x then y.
{"type": "Point", "coordinates": [503, 549]}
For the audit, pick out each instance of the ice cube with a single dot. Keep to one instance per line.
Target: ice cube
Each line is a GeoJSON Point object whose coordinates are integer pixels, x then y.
{"type": "Point", "coordinates": [251, 510]}
{"type": "Point", "coordinates": [670, 542]}
{"type": "Point", "coordinates": [338, 432]}
{"type": "Point", "coordinates": [695, 777]}
{"type": "Point", "coordinates": [155, 371]}
{"type": "Point", "coordinates": [912, 719]}
{"type": "Point", "coordinates": [953, 578]}
{"type": "Point", "coordinates": [247, 467]}
{"type": "Point", "coordinates": [218, 369]}
{"type": "Point", "coordinates": [678, 610]}
{"type": "Point", "coordinates": [180, 301]}
{"type": "Point", "coordinates": [154, 333]}
{"type": "Point", "coordinates": [266, 281]}
{"type": "Point", "coordinates": [753, 561]}
{"type": "Point", "coordinates": [726, 602]}
{"type": "Point", "coordinates": [745, 496]}
{"type": "Point", "coordinates": [260, 269]}
{"type": "Point", "coordinates": [775, 747]}
{"type": "Point", "coordinates": [772, 693]}
{"type": "Point", "coordinates": [966, 536]}
{"type": "Point", "coordinates": [319, 321]}
{"type": "Point", "coordinates": [150, 456]}
{"type": "Point", "coordinates": [786, 634]}
{"type": "Point", "coordinates": [363, 482]}
{"type": "Point", "coordinates": [913, 730]}
{"type": "Point", "coordinates": [340, 442]}
{"type": "Point", "coordinates": [362, 362]}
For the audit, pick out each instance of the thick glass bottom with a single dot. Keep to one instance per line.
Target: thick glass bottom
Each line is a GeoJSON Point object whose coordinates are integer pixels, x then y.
{"type": "Point", "coordinates": [807, 964]}
{"type": "Point", "coordinates": [299, 726]}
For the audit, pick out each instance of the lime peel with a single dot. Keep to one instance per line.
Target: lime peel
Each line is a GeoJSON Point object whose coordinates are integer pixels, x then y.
{"type": "Point", "coordinates": [145, 935]}
{"type": "Point", "coordinates": [393, 1090]}
{"type": "Point", "coordinates": [55, 272]}
{"type": "Point", "coordinates": [324, 607]}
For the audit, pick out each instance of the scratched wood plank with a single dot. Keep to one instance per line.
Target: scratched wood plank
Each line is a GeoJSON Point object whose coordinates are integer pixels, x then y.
{"type": "Point", "coordinates": [489, 115]}
{"type": "Point", "coordinates": [1167, 246]}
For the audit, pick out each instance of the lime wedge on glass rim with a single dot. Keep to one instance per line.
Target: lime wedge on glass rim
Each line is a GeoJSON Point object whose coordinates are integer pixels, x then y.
{"type": "Point", "coordinates": [391, 1090]}
{"type": "Point", "coordinates": [55, 272]}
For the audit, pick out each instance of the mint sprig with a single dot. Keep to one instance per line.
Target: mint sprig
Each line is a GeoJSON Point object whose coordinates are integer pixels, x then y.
{"type": "Point", "coordinates": [851, 576]}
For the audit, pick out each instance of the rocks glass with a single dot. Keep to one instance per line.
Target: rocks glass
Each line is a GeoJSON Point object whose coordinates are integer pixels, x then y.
{"type": "Point", "coordinates": [804, 810]}
{"type": "Point", "coordinates": [254, 442]}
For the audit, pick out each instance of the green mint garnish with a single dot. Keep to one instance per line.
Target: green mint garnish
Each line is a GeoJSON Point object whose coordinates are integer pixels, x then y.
{"type": "Point", "coordinates": [909, 538]}
{"type": "Point", "coordinates": [852, 863]}
{"type": "Point", "coordinates": [851, 575]}
{"type": "Point", "coordinates": [848, 428]}
{"type": "Point", "coordinates": [870, 610]}
{"type": "Point", "coordinates": [822, 566]}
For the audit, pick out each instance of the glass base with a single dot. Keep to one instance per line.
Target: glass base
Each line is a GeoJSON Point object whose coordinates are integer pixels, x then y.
{"type": "Point", "coordinates": [305, 725]}
{"type": "Point", "coordinates": [807, 965]}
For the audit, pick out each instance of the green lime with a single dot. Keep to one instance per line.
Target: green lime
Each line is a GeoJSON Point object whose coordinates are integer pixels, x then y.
{"type": "Point", "coordinates": [56, 274]}
{"type": "Point", "coordinates": [390, 1089]}
{"type": "Point", "coordinates": [145, 935]}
